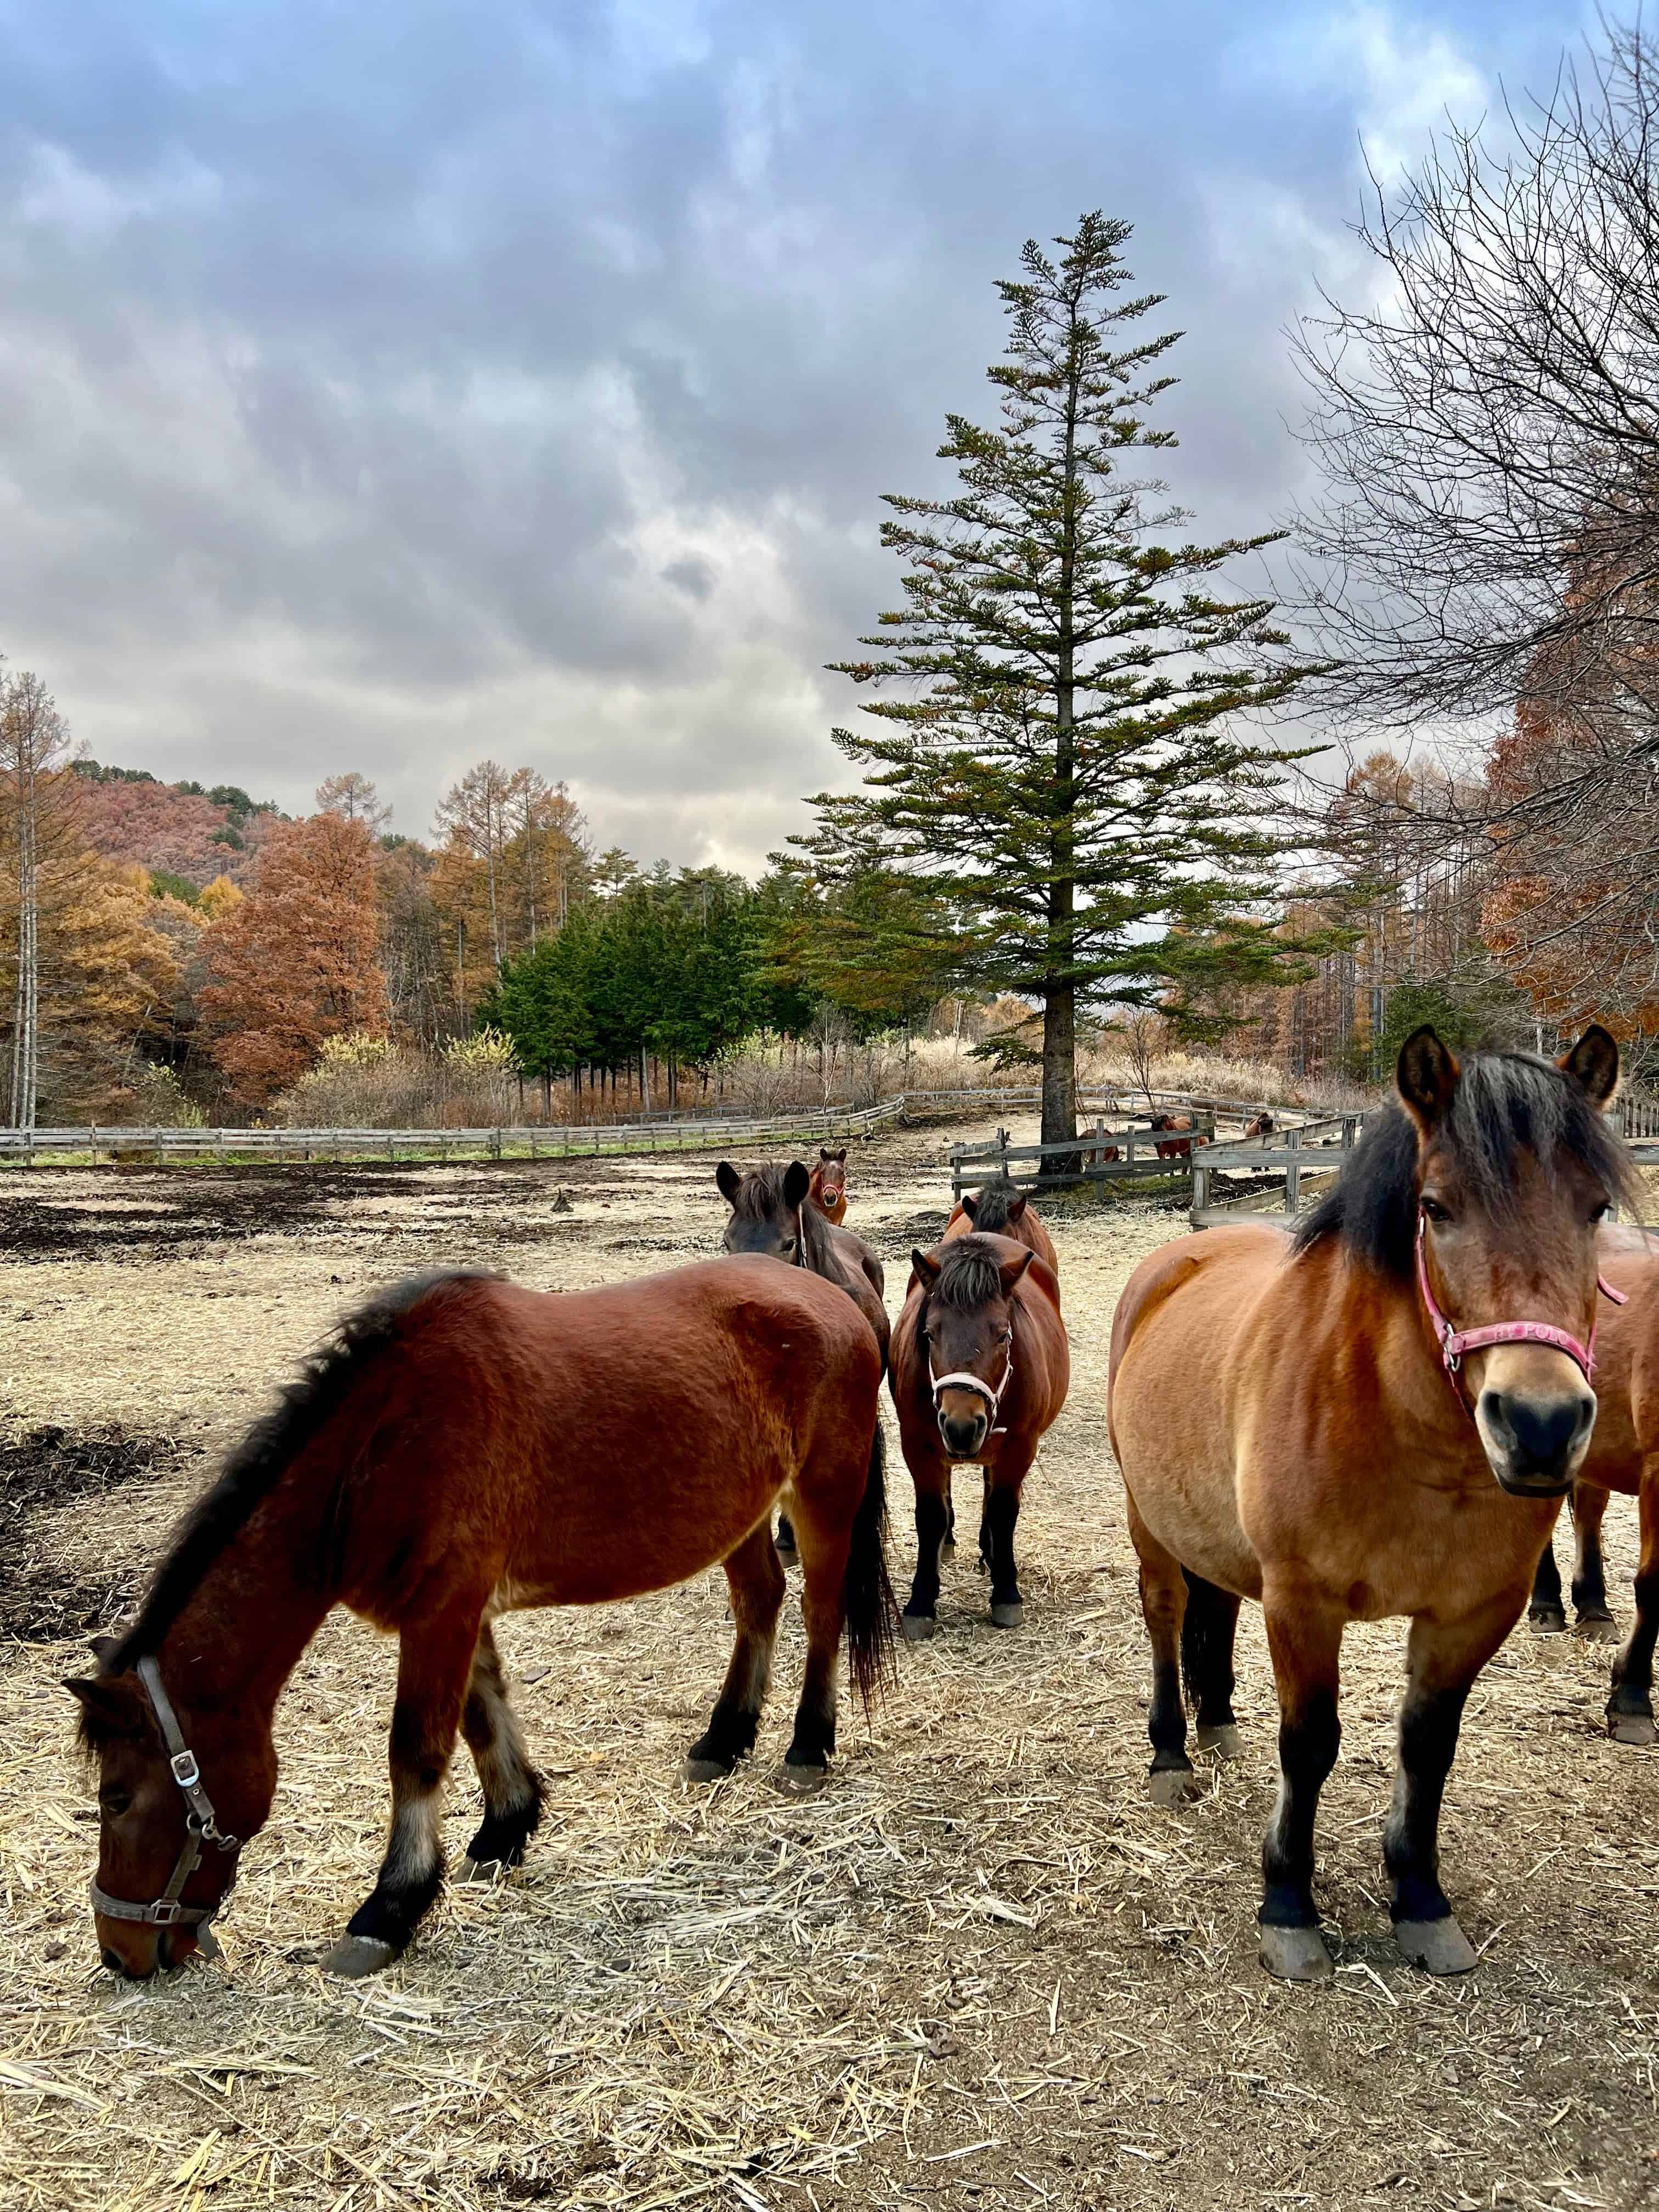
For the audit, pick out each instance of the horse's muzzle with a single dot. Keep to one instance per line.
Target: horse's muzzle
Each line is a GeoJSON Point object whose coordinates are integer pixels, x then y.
{"type": "Point", "coordinates": [1534, 1445]}
{"type": "Point", "coordinates": [964, 1434]}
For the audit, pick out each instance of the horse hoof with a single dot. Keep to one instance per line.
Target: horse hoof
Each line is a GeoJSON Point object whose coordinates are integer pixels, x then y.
{"type": "Point", "coordinates": [355, 1956]}
{"type": "Point", "coordinates": [1296, 1954]}
{"type": "Point", "coordinates": [1599, 1628]}
{"type": "Point", "coordinates": [1224, 1742]}
{"type": "Point", "coordinates": [483, 1872]}
{"type": "Point", "coordinates": [708, 1769]}
{"type": "Point", "coordinates": [1007, 1616]}
{"type": "Point", "coordinates": [947, 1550]}
{"type": "Point", "coordinates": [1439, 1947]}
{"type": "Point", "coordinates": [799, 1781]}
{"type": "Point", "coordinates": [917, 1627]}
{"type": "Point", "coordinates": [1547, 1624]}
{"type": "Point", "coordinates": [1172, 1786]}
{"type": "Point", "coordinates": [1633, 1727]}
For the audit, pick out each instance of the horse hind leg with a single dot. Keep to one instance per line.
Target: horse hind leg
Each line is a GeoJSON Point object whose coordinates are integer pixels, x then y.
{"type": "Point", "coordinates": [825, 1548]}
{"type": "Point", "coordinates": [1546, 1615]}
{"type": "Point", "coordinates": [1590, 1583]}
{"type": "Point", "coordinates": [513, 1791]}
{"type": "Point", "coordinates": [1630, 1707]}
{"type": "Point", "coordinates": [754, 1577]}
{"type": "Point", "coordinates": [1305, 1639]}
{"type": "Point", "coordinates": [434, 1666]}
{"type": "Point", "coordinates": [1208, 1634]}
{"type": "Point", "coordinates": [1163, 1604]}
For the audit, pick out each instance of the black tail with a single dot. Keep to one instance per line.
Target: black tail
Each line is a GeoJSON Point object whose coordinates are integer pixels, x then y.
{"type": "Point", "coordinates": [1206, 1636]}
{"type": "Point", "coordinates": [270, 1447]}
{"type": "Point", "coordinates": [867, 1602]}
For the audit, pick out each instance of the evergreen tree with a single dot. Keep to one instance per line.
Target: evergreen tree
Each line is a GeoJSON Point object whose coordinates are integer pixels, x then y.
{"type": "Point", "coordinates": [1064, 774]}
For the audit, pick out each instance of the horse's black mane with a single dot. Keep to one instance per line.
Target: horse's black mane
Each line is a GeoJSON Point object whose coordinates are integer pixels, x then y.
{"type": "Point", "coordinates": [265, 1454]}
{"type": "Point", "coordinates": [1505, 1104]}
{"type": "Point", "coordinates": [760, 1198]}
{"type": "Point", "coordinates": [992, 1204]}
{"type": "Point", "coordinates": [969, 1274]}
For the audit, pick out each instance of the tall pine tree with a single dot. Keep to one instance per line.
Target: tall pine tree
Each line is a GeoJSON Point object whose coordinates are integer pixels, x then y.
{"type": "Point", "coordinates": [1066, 771]}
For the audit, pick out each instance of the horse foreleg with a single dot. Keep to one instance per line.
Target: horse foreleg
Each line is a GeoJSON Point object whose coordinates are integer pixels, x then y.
{"type": "Point", "coordinates": [1589, 1585]}
{"type": "Point", "coordinates": [1304, 1636]}
{"type": "Point", "coordinates": [1001, 1513]}
{"type": "Point", "coordinates": [754, 1577]}
{"type": "Point", "coordinates": [1629, 1709]}
{"type": "Point", "coordinates": [1441, 1662]}
{"type": "Point", "coordinates": [1546, 1615]}
{"type": "Point", "coordinates": [513, 1791]}
{"type": "Point", "coordinates": [434, 1666]}
{"type": "Point", "coordinates": [933, 1484]}
{"type": "Point", "coordinates": [1164, 1606]}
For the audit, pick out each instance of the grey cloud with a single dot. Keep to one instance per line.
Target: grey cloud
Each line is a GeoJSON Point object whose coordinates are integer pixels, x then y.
{"type": "Point", "coordinates": [386, 385]}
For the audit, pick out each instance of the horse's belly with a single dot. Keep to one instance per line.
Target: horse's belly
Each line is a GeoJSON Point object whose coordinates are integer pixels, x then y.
{"type": "Point", "coordinates": [1175, 1447]}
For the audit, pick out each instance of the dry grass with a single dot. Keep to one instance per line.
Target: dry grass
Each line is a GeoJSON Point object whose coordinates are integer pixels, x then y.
{"type": "Point", "coordinates": [978, 1969]}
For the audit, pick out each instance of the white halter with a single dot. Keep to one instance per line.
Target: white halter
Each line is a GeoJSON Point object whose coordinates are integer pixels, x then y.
{"type": "Point", "coordinates": [960, 1379]}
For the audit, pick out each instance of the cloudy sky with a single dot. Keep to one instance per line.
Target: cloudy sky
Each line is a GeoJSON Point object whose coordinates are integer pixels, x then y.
{"type": "Point", "coordinates": [388, 383]}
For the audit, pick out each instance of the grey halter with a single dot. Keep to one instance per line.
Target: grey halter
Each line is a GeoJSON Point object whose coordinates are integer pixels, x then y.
{"type": "Point", "coordinates": [201, 1827]}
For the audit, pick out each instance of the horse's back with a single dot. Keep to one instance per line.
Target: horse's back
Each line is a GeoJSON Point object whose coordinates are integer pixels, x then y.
{"type": "Point", "coordinates": [1626, 1361]}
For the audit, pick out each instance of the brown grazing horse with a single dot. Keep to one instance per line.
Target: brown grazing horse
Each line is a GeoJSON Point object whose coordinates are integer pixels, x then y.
{"type": "Point", "coordinates": [1176, 1148]}
{"type": "Point", "coordinates": [827, 1190]}
{"type": "Point", "coordinates": [1300, 1423]}
{"type": "Point", "coordinates": [980, 1370]}
{"type": "Point", "coordinates": [1259, 1125]}
{"type": "Point", "coordinates": [1623, 1456]}
{"type": "Point", "coordinates": [462, 1448]}
{"type": "Point", "coordinates": [1000, 1210]}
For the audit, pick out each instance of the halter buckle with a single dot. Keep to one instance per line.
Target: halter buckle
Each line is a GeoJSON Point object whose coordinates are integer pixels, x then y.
{"type": "Point", "coordinates": [164, 1913]}
{"type": "Point", "coordinates": [186, 1772]}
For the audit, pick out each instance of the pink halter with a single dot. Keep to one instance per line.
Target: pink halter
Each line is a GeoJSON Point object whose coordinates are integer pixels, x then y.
{"type": "Point", "coordinates": [1454, 1343]}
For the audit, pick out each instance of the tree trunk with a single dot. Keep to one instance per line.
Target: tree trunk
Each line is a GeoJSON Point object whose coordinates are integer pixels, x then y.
{"type": "Point", "coordinates": [25, 1045]}
{"type": "Point", "coordinates": [1060, 996]}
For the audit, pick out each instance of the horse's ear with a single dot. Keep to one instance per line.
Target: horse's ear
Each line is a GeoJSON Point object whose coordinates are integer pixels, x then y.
{"type": "Point", "coordinates": [1016, 1207]}
{"type": "Point", "coordinates": [102, 1649]}
{"type": "Point", "coordinates": [926, 1269]}
{"type": "Point", "coordinates": [1011, 1270]}
{"type": "Point", "coordinates": [841, 1155]}
{"type": "Point", "coordinates": [109, 1707]}
{"type": "Point", "coordinates": [1426, 1076]}
{"type": "Point", "coordinates": [970, 1204]}
{"type": "Point", "coordinates": [796, 1183]}
{"type": "Point", "coordinates": [728, 1177]}
{"type": "Point", "coordinates": [824, 1152]}
{"type": "Point", "coordinates": [1593, 1063]}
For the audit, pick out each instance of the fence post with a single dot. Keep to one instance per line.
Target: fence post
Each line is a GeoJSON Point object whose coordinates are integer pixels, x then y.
{"type": "Point", "coordinates": [1292, 1172]}
{"type": "Point", "coordinates": [955, 1175]}
{"type": "Point", "coordinates": [1200, 1190]}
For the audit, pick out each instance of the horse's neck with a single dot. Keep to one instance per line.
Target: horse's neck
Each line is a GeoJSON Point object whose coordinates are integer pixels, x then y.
{"type": "Point", "coordinates": [818, 1245]}
{"type": "Point", "coordinates": [240, 1633]}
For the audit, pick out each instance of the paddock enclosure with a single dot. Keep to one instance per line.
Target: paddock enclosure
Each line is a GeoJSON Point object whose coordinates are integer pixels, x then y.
{"type": "Point", "coordinates": [980, 1969]}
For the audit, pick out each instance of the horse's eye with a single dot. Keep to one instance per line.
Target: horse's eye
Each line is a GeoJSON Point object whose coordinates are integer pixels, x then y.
{"type": "Point", "coordinates": [788, 1243]}
{"type": "Point", "coordinates": [1432, 1209]}
{"type": "Point", "coordinates": [115, 1800]}
{"type": "Point", "coordinates": [1599, 1210]}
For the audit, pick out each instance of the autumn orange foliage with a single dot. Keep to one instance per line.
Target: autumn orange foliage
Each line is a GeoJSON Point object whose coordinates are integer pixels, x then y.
{"type": "Point", "coordinates": [296, 960]}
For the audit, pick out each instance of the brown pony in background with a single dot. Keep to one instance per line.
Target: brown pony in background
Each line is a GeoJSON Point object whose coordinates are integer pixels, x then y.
{"type": "Point", "coordinates": [980, 1370]}
{"type": "Point", "coordinates": [1001, 1210]}
{"type": "Point", "coordinates": [772, 1218]}
{"type": "Point", "coordinates": [460, 1448]}
{"type": "Point", "coordinates": [1298, 1423]}
{"type": "Point", "coordinates": [827, 1190]}
{"type": "Point", "coordinates": [1623, 1456]}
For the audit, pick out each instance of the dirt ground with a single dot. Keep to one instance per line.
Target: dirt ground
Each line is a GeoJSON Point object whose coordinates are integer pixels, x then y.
{"type": "Point", "coordinates": [979, 1969]}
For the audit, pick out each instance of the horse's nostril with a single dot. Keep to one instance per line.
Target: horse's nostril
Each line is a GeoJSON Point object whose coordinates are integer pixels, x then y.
{"type": "Point", "coordinates": [112, 1961]}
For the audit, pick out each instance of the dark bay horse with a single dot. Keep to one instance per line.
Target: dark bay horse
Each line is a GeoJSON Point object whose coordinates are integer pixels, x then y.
{"type": "Point", "coordinates": [771, 1219]}
{"type": "Point", "coordinates": [980, 1370]}
{"type": "Point", "coordinates": [462, 1448]}
{"type": "Point", "coordinates": [1000, 1209]}
{"type": "Point", "coordinates": [827, 1190]}
{"type": "Point", "coordinates": [1623, 1456]}
{"type": "Point", "coordinates": [1303, 1424]}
